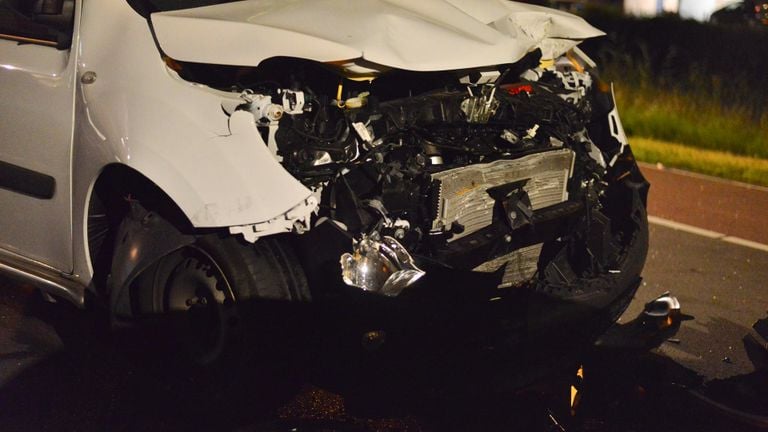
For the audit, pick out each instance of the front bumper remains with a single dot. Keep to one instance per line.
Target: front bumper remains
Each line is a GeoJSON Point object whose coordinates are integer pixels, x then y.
{"type": "Point", "coordinates": [453, 319]}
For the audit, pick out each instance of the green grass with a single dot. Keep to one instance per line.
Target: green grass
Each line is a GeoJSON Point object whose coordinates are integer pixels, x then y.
{"type": "Point", "coordinates": [697, 120]}
{"type": "Point", "coordinates": [716, 163]}
{"type": "Point", "coordinates": [696, 93]}
{"type": "Point", "coordinates": [695, 132]}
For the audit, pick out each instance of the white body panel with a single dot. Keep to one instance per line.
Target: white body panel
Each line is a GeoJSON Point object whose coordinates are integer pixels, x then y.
{"type": "Point", "coordinates": [36, 98]}
{"type": "Point", "coordinates": [174, 132]}
{"type": "Point", "coordinates": [140, 114]}
{"type": "Point", "coordinates": [426, 35]}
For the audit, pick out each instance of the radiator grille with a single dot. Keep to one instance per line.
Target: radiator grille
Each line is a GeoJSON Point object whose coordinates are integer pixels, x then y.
{"type": "Point", "coordinates": [463, 197]}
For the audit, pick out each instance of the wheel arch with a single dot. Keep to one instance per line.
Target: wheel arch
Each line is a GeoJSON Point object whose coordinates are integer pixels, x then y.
{"type": "Point", "coordinates": [109, 201]}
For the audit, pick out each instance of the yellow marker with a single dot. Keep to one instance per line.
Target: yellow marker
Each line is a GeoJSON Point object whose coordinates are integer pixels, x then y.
{"type": "Point", "coordinates": [339, 102]}
{"type": "Point", "coordinates": [575, 391]}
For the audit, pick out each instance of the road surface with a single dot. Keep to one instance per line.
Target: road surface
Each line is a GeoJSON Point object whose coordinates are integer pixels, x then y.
{"type": "Point", "coordinates": [718, 280]}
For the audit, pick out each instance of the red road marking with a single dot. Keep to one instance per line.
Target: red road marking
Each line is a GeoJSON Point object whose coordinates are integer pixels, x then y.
{"type": "Point", "coordinates": [731, 208]}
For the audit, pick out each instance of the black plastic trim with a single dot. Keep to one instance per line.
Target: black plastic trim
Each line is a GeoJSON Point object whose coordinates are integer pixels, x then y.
{"type": "Point", "coordinates": [26, 181]}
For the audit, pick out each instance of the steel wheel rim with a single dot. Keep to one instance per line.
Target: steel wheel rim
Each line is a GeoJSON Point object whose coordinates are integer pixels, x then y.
{"type": "Point", "coordinates": [199, 296]}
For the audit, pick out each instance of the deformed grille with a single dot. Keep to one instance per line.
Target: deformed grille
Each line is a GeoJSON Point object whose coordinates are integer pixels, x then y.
{"type": "Point", "coordinates": [463, 196]}
{"type": "Point", "coordinates": [520, 267]}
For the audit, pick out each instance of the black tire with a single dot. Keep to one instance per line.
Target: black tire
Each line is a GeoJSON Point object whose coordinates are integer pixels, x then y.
{"type": "Point", "coordinates": [227, 318]}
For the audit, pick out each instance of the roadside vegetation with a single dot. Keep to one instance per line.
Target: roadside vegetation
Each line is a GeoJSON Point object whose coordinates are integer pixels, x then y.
{"type": "Point", "coordinates": [685, 86]}
{"type": "Point", "coordinates": [676, 117]}
{"type": "Point", "coordinates": [716, 163]}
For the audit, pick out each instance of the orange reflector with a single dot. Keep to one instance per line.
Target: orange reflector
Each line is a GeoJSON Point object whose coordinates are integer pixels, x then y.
{"type": "Point", "coordinates": [575, 391]}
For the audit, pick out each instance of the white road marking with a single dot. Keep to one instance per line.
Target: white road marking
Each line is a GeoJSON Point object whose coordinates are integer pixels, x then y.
{"type": "Point", "coordinates": [685, 227]}
{"type": "Point", "coordinates": [747, 243]}
{"type": "Point", "coordinates": [707, 233]}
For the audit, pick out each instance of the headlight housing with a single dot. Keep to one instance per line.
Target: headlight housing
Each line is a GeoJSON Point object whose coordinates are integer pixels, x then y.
{"type": "Point", "coordinates": [380, 265]}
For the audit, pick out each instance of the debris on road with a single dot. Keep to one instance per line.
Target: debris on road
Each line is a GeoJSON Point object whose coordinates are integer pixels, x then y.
{"type": "Point", "coordinates": [658, 322]}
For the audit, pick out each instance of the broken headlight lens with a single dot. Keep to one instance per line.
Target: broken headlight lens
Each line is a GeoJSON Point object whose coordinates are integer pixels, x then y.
{"type": "Point", "coordinates": [380, 265]}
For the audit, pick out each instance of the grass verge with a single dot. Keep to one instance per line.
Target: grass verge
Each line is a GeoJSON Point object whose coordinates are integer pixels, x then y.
{"type": "Point", "coordinates": [693, 120]}
{"type": "Point", "coordinates": [686, 82]}
{"type": "Point", "coordinates": [716, 163]}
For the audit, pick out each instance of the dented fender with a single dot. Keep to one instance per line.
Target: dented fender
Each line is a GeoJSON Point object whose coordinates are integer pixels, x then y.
{"type": "Point", "coordinates": [223, 181]}
{"type": "Point", "coordinates": [215, 167]}
{"type": "Point", "coordinates": [246, 156]}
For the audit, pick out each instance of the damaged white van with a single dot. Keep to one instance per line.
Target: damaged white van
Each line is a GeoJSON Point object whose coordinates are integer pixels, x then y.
{"type": "Point", "coordinates": [426, 176]}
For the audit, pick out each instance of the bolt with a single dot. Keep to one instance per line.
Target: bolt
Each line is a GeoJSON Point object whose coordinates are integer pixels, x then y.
{"type": "Point", "coordinates": [508, 238]}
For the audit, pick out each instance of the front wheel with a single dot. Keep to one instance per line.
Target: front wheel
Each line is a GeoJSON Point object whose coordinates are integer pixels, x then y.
{"type": "Point", "coordinates": [224, 312]}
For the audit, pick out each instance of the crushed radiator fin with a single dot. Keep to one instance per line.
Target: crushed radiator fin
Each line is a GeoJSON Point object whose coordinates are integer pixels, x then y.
{"type": "Point", "coordinates": [521, 265]}
{"type": "Point", "coordinates": [463, 197]}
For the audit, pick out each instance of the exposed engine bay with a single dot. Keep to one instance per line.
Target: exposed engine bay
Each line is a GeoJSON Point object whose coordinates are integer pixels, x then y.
{"type": "Point", "coordinates": [493, 170]}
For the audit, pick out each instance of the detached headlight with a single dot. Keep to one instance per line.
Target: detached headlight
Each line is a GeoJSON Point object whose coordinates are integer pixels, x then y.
{"type": "Point", "coordinates": [380, 265]}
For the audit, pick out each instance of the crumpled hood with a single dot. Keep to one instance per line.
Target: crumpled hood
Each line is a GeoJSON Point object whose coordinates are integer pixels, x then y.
{"type": "Point", "coordinates": [423, 35]}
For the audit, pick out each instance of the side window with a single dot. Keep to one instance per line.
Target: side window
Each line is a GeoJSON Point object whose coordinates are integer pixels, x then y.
{"type": "Point", "coordinates": [44, 22]}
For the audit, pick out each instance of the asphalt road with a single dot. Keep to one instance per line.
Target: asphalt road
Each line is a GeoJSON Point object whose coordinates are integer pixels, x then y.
{"type": "Point", "coordinates": [724, 285]}
{"type": "Point", "coordinates": [721, 284]}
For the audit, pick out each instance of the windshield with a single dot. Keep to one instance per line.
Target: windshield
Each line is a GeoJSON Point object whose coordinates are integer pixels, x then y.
{"type": "Point", "coordinates": [146, 7]}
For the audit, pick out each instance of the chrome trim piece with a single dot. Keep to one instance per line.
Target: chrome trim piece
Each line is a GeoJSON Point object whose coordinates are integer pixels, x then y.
{"type": "Point", "coordinates": [47, 280]}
